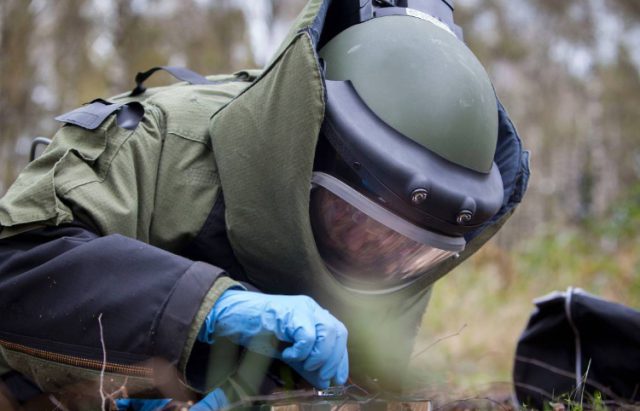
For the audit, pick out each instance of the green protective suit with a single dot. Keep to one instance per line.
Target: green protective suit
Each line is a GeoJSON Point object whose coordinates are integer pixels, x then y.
{"type": "Point", "coordinates": [255, 142]}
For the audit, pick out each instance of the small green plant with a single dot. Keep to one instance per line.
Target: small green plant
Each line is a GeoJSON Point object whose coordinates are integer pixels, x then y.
{"type": "Point", "coordinates": [568, 402]}
{"type": "Point", "coordinates": [598, 403]}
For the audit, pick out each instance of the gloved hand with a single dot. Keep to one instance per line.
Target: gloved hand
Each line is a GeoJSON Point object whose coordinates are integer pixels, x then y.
{"type": "Point", "coordinates": [216, 400]}
{"type": "Point", "coordinates": [318, 350]}
{"type": "Point", "coordinates": [136, 404]}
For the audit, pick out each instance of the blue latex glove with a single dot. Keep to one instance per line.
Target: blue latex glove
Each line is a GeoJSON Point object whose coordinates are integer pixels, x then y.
{"type": "Point", "coordinates": [135, 404]}
{"type": "Point", "coordinates": [214, 401]}
{"type": "Point", "coordinates": [318, 349]}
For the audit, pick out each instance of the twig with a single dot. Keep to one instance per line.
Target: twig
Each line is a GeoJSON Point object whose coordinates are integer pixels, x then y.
{"type": "Point", "coordinates": [534, 389]}
{"type": "Point", "coordinates": [635, 391]}
{"type": "Point", "coordinates": [342, 404]}
{"type": "Point", "coordinates": [354, 385]}
{"type": "Point", "coordinates": [103, 397]}
{"type": "Point", "coordinates": [122, 390]}
{"type": "Point", "coordinates": [457, 333]}
{"type": "Point", "coordinates": [501, 405]}
{"type": "Point", "coordinates": [57, 403]}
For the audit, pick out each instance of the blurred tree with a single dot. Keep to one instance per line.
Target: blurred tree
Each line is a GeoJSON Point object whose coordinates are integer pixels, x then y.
{"type": "Point", "coordinates": [621, 99]}
{"type": "Point", "coordinates": [16, 83]}
{"type": "Point", "coordinates": [209, 38]}
{"type": "Point", "coordinates": [629, 9]}
{"type": "Point", "coordinates": [548, 60]}
{"type": "Point", "coordinates": [75, 77]}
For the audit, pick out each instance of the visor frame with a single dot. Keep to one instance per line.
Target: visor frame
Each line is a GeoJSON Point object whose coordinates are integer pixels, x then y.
{"type": "Point", "coordinates": [386, 217]}
{"type": "Point", "coordinates": [360, 202]}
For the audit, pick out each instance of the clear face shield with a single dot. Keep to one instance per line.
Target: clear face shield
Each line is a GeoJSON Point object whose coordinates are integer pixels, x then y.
{"type": "Point", "coordinates": [368, 248]}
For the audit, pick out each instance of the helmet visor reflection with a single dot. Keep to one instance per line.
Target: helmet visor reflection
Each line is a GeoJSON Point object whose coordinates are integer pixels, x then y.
{"type": "Point", "coordinates": [362, 251]}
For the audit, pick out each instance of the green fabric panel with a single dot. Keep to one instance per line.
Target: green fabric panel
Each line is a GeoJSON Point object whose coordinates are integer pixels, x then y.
{"type": "Point", "coordinates": [187, 186]}
{"type": "Point", "coordinates": [187, 182]}
{"type": "Point", "coordinates": [265, 157]}
{"type": "Point", "coordinates": [33, 197]}
{"type": "Point", "coordinates": [116, 192]}
{"type": "Point", "coordinates": [79, 386]}
{"type": "Point", "coordinates": [94, 176]}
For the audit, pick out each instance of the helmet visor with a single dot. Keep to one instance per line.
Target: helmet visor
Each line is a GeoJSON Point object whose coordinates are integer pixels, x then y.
{"type": "Point", "coordinates": [366, 246]}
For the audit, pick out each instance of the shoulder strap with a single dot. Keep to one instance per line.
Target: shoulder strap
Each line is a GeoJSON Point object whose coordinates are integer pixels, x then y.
{"type": "Point", "coordinates": [181, 73]}
{"type": "Point", "coordinates": [91, 116]}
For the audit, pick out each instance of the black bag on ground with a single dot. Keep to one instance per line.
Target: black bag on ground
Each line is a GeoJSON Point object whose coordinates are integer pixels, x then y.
{"type": "Point", "coordinates": [577, 346]}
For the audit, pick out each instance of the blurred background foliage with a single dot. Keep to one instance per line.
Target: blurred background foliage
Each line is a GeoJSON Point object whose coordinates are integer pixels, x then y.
{"type": "Point", "coordinates": [568, 72]}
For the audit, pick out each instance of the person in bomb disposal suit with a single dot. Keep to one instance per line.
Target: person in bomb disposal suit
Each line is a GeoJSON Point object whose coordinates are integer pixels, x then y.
{"type": "Point", "coordinates": [271, 210]}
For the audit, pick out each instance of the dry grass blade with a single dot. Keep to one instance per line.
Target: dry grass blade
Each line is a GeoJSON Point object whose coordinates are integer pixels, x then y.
{"type": "Point", "coordinates": [457, 333]}
{"type": "Point", "coordinates": [603, 389]}
{"type": "Point", "coordinates": [57, 403]}
{"type": "Point", "coordinates": [103, 397]}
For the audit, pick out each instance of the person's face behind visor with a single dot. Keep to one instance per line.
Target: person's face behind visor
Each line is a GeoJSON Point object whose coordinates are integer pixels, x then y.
{"type": "Point", "coordinates": [362, 252]}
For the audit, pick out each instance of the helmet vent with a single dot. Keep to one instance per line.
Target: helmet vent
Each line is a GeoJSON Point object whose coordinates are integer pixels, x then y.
{"type": "Point", "coordinates": [464, 217]}
{"type": "Point", "coordinates": [419, 196]}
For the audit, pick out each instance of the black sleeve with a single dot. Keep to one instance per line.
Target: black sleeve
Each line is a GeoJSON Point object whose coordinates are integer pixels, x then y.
{"type": "Point", "coordinates": [55, 283]}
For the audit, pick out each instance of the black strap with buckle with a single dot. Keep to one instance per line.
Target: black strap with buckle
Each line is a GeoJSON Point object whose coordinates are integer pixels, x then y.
{"type": "Point", "coordinates": [181, 73]}
{"type": "Point", "coordinates": [92, 115]}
